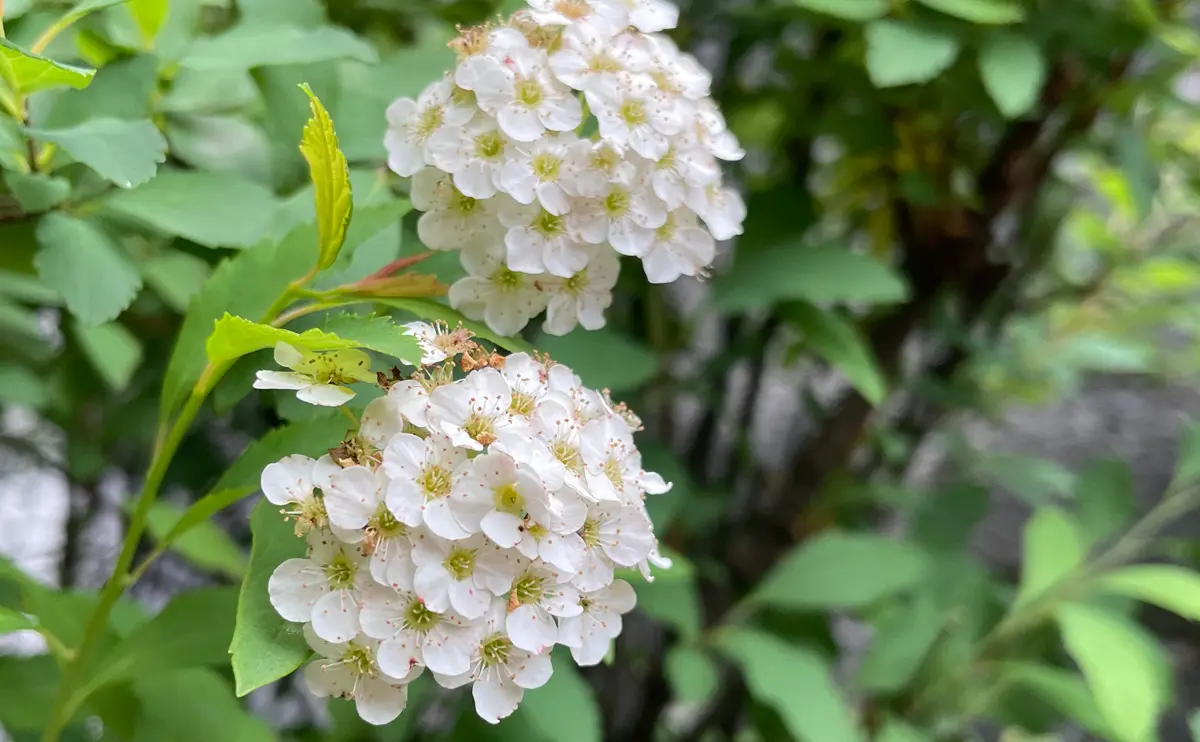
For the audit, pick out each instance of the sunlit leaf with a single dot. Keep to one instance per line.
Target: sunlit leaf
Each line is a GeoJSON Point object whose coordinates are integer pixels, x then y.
{"type": "Point", "coordinates": [1052, 550]}
{"type": "Point", "coordinates": [330, 176]}
{"type": "Point", "coordinates": [903, 54]}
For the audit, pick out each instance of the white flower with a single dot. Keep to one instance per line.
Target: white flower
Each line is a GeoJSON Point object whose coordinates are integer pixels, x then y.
{"type": "Point", "coordinates": [464, 575]}
{"type": "Point", "coordinates": [497, 494]}
{"type": "Point", "coordinates": [318, 378]}
{"type": "Point", "coordinates": [582, 298]}
{"type": "Point", "coordinates": [682, 167]}
{"type": "Point", "coordinates": [566, 12]}
{"type": "Point", "coordinates": [628, 210]}
{"type": "Point", "coordinates": [427, 340]}
{"type": "Point", "coordinates": [633, 111]}
{"type": "Point", "coordinates": [350, 670]}
{"type": "Point", "coordinates": [680, 248]}
{"type": "Point", "coordinates": [422, 475]}
{"type": "Point", "coordinates": [546, 171]}
{"type": "Point", "coordinates": [322, 588]}
{"type": "Point", "coordinates": [722, 210]}
{"type": "Point", "coordinates": [501, 672]}
{"type": "Point", "coordinates": [590, 633]}
{"type": "Point", "coordinates": [538, 241]}
{"type": "Point", "coordinates": [714, 134]}
{"type": "Point", "coordinates": [612, 534]}
{"type": "Point", "coordinates": [474, 155]}
{"type": "Point", "coordinates": [413, 635]}
{"type": "Point", "coordinates": [289, 483]}
{"type": "Point", "coordinates": [592, 49]}
{"type": "Point", "coordinates": [521, 93]}
{"type": "Point", "coordinates": [539, 594]}
{"type": "Point", "coordinates": [356, 504]}
{"type": "Point", "coordinates": [472, 411]}
{"type": "Point", "coordinates": [494, 293]}
{"type": "Point", "coordinates": [677, 73]}
{"type": "Point", "coordinates": [648, 16]}
{"type": "Point", "coordinates": [452, 220]}
{"type": "Point", "coordinates": [412, 123]}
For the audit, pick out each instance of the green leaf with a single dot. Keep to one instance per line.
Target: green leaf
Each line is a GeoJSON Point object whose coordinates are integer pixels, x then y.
{"type": "Point", "coordinates": [37, 192]}
{"type": "Point", "coordinates": [1123, 668]}
{"type": "Point", "coordinates": [691, 673]}
{"type": "Point", "coordinates": [1063, 690]}
{"type": "Point", "coordinates": [206, 545]}
{"type": "Point", "coordinates": [814, 273]}
{"type": "Point", "coordinates": [234, 337]}
{"type": "Point", "coordinates": [176, 277]}
{"type": "Point", "coordinates": [851, 10]}
{"type": "Point", "coordinates": [1104, 500]}
{"type": "Point", "coordinates": [605, 358]}
{"type": "Point", "coordinates": [312, 439]}
{"type": "Point", "coordinates": [1037, 481]}
{"type": "Point", "coordinates": [841, 570]}
{"type": "Point", "coordinates": [113, 350]}
{"type": "Point", "coordinates": [30, 685]}
{"type": "Point", "coordinates": [674, 602]}
{"type": "Point", "coordinates": [899, 646]}
{"type": "Point", "coordinates": [192, 631]}
{"type": "Point", "coordinates": [794, 681]}
{"type": "Point", "coordinates": [1187, 468]}
{"type": "Point", "coordinates": [432, 311]}
{"type": "Point", "coordinates": [121, 90]}
{"type": "Point", "coordinates": [838, 341]}
{"type": "Point", "coordinates": [903, 54]}
{"type": "Point", "coordinates": [1052, 550]}
{"type": "Point", "coordinates": [1167, 586]}
{"type": "Point", "coordinates": [330, 178]}
{"type": "Point", "coordinates": [1013, 70]}
{"type": "Point", "coordinates": [565, 702]}
{"type": "Point", "coordinates": [246, 47]}
{"type": "Point", "coordinates": [265, 647]}
{"type": "Point", "coordinates": [82, 263]}
{"type": "Point", "coordinates": [19, 385]}
{"type": "Point", "coordinates": [194, 705]}
{"type": "Point", "coordinates": [11, 621]}
{"type": "Point", "coordinates": [944, 520]}
{"type": "Point", "coordinates": [979, 11]}
{"type": "Point", "coordinates": [212, 209]}
{"type": "Point", "coordinates": [898, 731]}
{"type": "Point", "coordinates": [222, 143]}
{"type": "Point", "coordinates": [26, 72]}
{"type": "Point", "coordinates": [124, 152]}
{"type": "Point", "coordinates": [149, 15]}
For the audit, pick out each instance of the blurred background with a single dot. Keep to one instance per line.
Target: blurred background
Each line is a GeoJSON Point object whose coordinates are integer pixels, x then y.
{"type": "Point", "coordinates": [966, 291]}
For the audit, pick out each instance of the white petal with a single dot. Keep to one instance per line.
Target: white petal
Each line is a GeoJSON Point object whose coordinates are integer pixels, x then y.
{"type": "Point", "coordinates": [379, 702]}
{"type": "Point", "coordinates": [520, 122]}
{"type": "Point", "coordinates": [399, 655]}
{"type": "Point", "coordinates": [531, 628]}
{"type": "Point", "coordinates": [447, 653]}
{"type": "Point", "coordinates": [495, 697]}
{"type": "Point", "coordinates": [352, 498]}
{"type": "Point", "coordinates": [294, 587]}
{"type": "Point", "coordinates": [280, 380]}
{"type": "Point", "coordinates": [503, 528]}
{"type": "Point", "coordinates": [533, 672]}
{"type": "Point", "coordinates": [440, 518]}
{"type": "Point", "coordinates": [325, 395]}
{"type": "Point", "coordinates": [561, 113]}
{"type": "Point", "coordinates": [335, 617]}
{"type": "Point", "coordinates": [288, 480]}
{"type": "Point", "coordinates": [469, 600]}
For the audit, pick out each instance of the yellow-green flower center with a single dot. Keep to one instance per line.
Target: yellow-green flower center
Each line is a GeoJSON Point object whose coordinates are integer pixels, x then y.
{"type": "Point", "coordinates": [460, 562]}
{"type": "Point", "coordinates": [508, 500]}
{"type": "Point", "coordinates": [386, 525]}
{"type": "Point", "coordinates": [614, 472]}
{"type": "Point", "coordinates": [528, 588]}
{"type": "Point", "coordinates": [590, 533]}
{"type": "Point", "coordinates": [359, 659]}
{"type": "Point", "coordinates": [494, 650]}
{"type": "Point", "coordinates": [480, 428]}
{"type": "Point", "coordinates": [507, 281]}
{"type": "Point", "coordinates": [529, 92]}
{"type": "Point", "coordinates": [577, 282]}
{"type": "Point", "coordinates": [428, 121]}
{"type": "Point", "coordinates": [462, 204]}
{"type": "Point", "coordinates": [340, 572]}
{"type": "Point", "coordinates": [568, 455]}
{"type": "Point", "coordinates": [616, 203]}
{"type": "Point", "coordinates": [435, 480]}
{"type": "Point", "coordinates": [418, 617]}
{"type": "Point", "coordinates": [545, 166]}
{"type": "Point", "coordinates": [666, 231]}
{"type": "Point", "coordinates": [489, 145]}
{"type": "Point", "coordinates": [633, 113]}
{"type": "Point", "coordinates": [548, 224]}
{"type": "Point", "coordinates": [522, 403]}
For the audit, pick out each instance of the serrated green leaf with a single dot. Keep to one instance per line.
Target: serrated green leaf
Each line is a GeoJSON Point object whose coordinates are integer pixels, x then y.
{"type": "Point", "coordinates": [127, 153]}
{"type": "Point", "coordinates": [904, 54]}
{"type": "Point", "coordinates": [1013, 70]}
{"type": "Point", "coordinates": [1167, 586]}
{"type": "Point", "coordinates": [839, 342]}
{"type": "Point", "coordinates": [1123, 667]}
{"type": "Point", "coordinates": [794, 681]}
{"type": "Point", "coordinates": [211, 209]}
{"type": "Point", "coordinates": [11, 621]}
{"type": "Point", "coordinates": [850, 10]}
{"type": "Point", "coordinates": [604, 359]}
{"type": "Point", "coordinates": [432, 311]}
{"type": "Point", "coordinates": [980, 11]}
{"type": "Point", "coordinates": [246, 47]}
{"type": "Point", "coordinates": [815, 273]}
{"type": "Point", "coordinates": [121, 90]}
{"type": "Point", "coordinates": [26, 72]}
{"type": "Point", "coordinates": [176, 277]}
{"type": "Point", "coordinates": [113, 350]}
{"type": "Point", "coordinates": [206, 545]}
{"type": "Point", "coordinates": [1052, 550]}
{"type": "Point", "coordinates": [330, 177]}
{"type": "Point", "coordinates": [234, 337]}
{"type": "Point", "coordinates": [841, 570]}
{"type": "Point", "coordinates": [37, 192]}
{"type": "Point", "coordinates": [149, 15]}
{"type": "Point", "coordinates": [265, 647]}
{"type": "Point", "coordinates": [81, 262]}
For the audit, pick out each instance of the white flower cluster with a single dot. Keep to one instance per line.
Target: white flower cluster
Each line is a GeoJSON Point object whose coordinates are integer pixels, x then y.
{"type": "Point", "coordinates": [504, 173]}
{"type": "Point", "coordinates": [469, 527]}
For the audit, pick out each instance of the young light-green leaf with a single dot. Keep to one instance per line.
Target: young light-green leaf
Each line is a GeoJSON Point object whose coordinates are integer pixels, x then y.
{"type": "Point", "coordinates": [11, 621]}
{"type": "Point", "coordinates": [904, 54]}
{"type": "Point", "coordinates": [82, 263]}
{"type": "Point", "coordinates": [1052, 549]}
{"type": "Point", "coordinates": [432, 311]}
{"type": "Point", "coordinates": [980, 11]}
{"type": "Point", "coordinates": [331, 180]}
{"type": "Point", "coordinates": [1013, 70]}
{"type": "Point", "coordinates": [114, 351]}
{"type": "Point", "coordinates": [1124, 668]}
{"type": "Point", "coordinates": [838, 341]}
{"type": "Point", "coordinates": [26, 72]}
{"type": "Point", "coordinates": [1063, 690]}
{"type": "Point", "coordinates": [899, 646]}
{"type": "Point", "coordinates": [842, 570]}
{"type": "Point", "coordinates": [1167, 586]}
{"type": "Point", "coordinates": [127, 153]}
{"type": "Point", "coordinates": [794, 681]}
{"type": "Point", "coordinates": [234, 337]}
{"type": "Point", "coordinates": [265, 647]}
{"type": "Point", "coordinates": [149, 15]}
